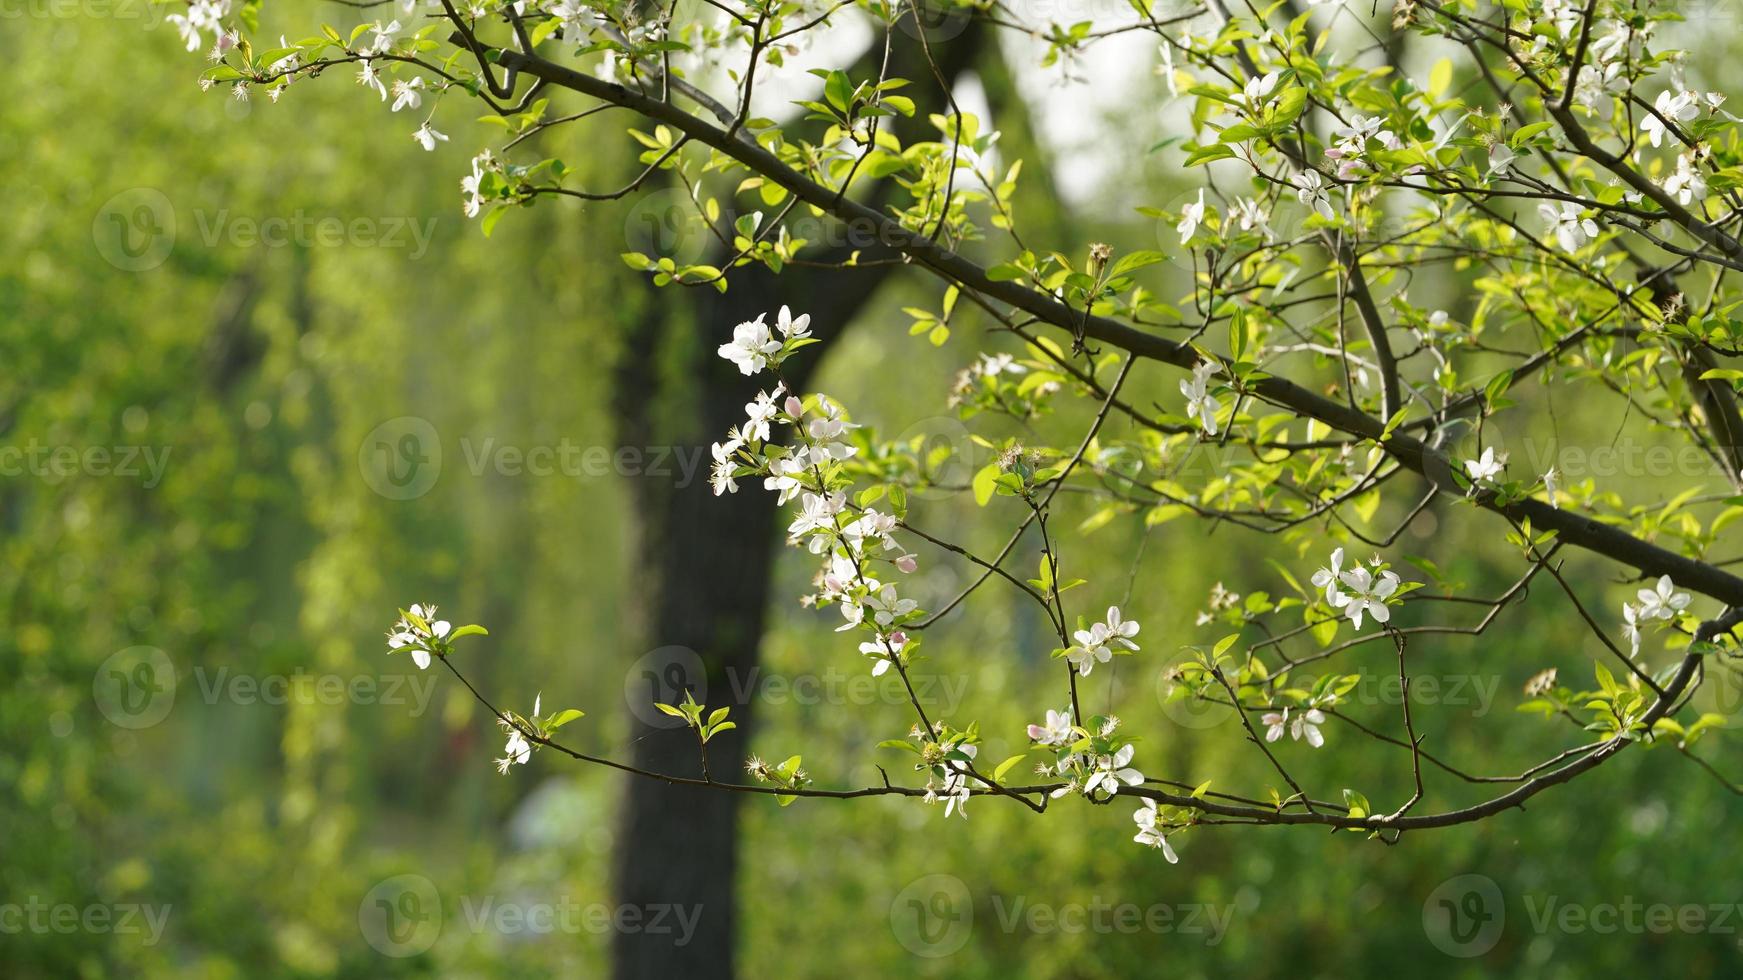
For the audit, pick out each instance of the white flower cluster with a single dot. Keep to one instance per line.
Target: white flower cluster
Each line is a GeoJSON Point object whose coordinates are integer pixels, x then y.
{"type": "Point", "coordinates": [849, 539]}
{"type": "Point", "coordinates": [1098, 764]}
{"type": "Point", "coordinates": [1200, 403]}
{"type": "Point", "coordinates": [518, 750]}
{"type": "Point", "coordinates": [418, 633]}
{"type": "Point", "coordinates": [1358, 591]}
{"type": "Point", "coordinates": [1660, 604]}
{"type": "Point", "coordinates": [202, 16]}
{"type": "Point", "coordinates": [1101, 641]}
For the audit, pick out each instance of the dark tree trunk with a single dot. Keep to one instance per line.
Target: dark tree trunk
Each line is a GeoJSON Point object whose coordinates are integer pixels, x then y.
{"type": "Point", "coordinates": [699, 584]}
{"type": "Point", "coordinates": [699, 588]}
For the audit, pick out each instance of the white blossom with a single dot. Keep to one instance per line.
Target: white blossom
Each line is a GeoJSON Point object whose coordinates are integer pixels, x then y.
{"type": "Point", "coordinates": [1662, 601]}
{"type": "Point", "coordinates": [1486, 469]}
{"type": "Point", "coordinates": [1305, 725]}
{"type": "Point", "coordinates": [1190, 218]}
{"type": "Point", "coordinates": [760, 413]}
{"type": "Point", "coordinates": [518, 750]}
{"type": "Point", "coordinates": [721, 476]}
{"type": "Point", "coordinates": [1687, 184]}
{"type": "Point", "coordinates": [1111, 771]}
{"type": "Point", "coordinates": [426, 137]}
{"type": "Point", "coordinates": [1327, 578]}
{"type": "Point", "coordinates": [1149, 834]}
{"type": "Point", "coordinates": [408, 93]}
{"type": "Point", "coordinates": [751, 347]}
{"type": "Point", "coordinates": [1672, 107]}
{"type": "Point", "coordinates": [1571, 231]}
{"type": "Point", "coordinates": [1200, 403]}
{"type": "Point", "coordinates": [1310, 190]}
{"type": "Point", "coordinates": [1366, 594]}
{"type": "Point", "coordinates": [793, 327]}
{"type": "Point", "coordinates": [1055, 732]}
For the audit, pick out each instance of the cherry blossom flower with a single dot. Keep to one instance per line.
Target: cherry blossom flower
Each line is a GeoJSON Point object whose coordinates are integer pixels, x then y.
{"type": "Point", "coordinates": [1191, 217]}
{"type": "Point", "coordinates": [1550, 479]}
{"type": "Point", "coordinates": [751, 347]}
{"type": "Point", "coordinates": [828, 429]}
{"type": "Point", "coordinates": [761, 412]}
{"type": "Point", "coordinates": [1093, 644]}
{"type": "Point", "coordinates": [368, 77]}
{"type": "Point", "coordinates": [470, 185]}
{"type": "Point", "coordinates": [1662, 602]}
{"type": "Point", "coordinates": [518, 750]}
{"type": "Point", "coordinates": [1200, 403]}
{"type": "Point", "coordinates": [1120, 631]}
{"type": "Point", "coordinates": [886, 606]}
{"type": "Point", "coordinates": [793, 327]}
{"type": "Point", "coordinates": [955, 791]}
{"type": "Point", "coordinates": [1631, 620]}
{"type": "Point", "coordinates": [1055, 732]}
{"type": "Point", "coordinates": [1367, 595]}
{"type": "Point", "coordinates": [786, 477]}
{"type": "Point", "coordinates": [384, 37]}
{"type": "Point", "coordinates": [721, 476]}
{"type": "Point", "coordinates": [1501, 158]}
{"type": "Point", "coordinates": [883, 649]}
{"type": "Point", "coordinates": [408, 93]}
{"type": "Point", "coordinates": [1671, 107]}
{"type": "Point", "coordinates": [1310, 190]}
{"type": "Point", "coordinates": [1304, 725]}
{"type": "Point", "coordinates": [1149, 834]}
{"type": "Point", "coordinates": [1688, 184]}
{"type": "Point", "coordinates": [1487, 468]}
{"type": "Point", "coordinates": [426, 137]}
{"type": "Point", "coordinates": [1572, 232]}
{"type": "Point", "coordinates": [1089, 650]}
{"type": "Point", "coordinates": [1327, 578]}
{"type": "Point", "coordinates": [1110, 771]}
{"type": "Point", "coordinates": [417, 633]}
{"type": "Point", "coordinates": [1251, 217]}
{"type": "Point", "coordinates": [1257, 91]}
{"type": "Point", "coordinates": [817, 511]}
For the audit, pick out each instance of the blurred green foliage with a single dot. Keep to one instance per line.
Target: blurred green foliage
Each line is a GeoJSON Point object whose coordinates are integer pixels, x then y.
{"type": "Point", "coordinates": [263, 552]}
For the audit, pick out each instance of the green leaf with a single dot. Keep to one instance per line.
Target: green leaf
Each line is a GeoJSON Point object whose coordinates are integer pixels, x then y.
{"type": "Point", "coordinates": [490, 220]}
{"type": "Point", "coordinates": [1005, 766]}
{"type": "Point", "coordinates": [984, 482]}
{"type": "Point", "coordinates": [564, 717]}
{"type": "Point", "coordinates": [470, 629]}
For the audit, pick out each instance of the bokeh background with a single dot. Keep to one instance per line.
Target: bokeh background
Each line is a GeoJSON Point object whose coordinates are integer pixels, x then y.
{"type": "Point", "coordinates": [157, 297]}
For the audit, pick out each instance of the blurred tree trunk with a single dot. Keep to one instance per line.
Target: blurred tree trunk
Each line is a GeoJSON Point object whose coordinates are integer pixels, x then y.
{"type": "Point", "coordinates": [700, 570]}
